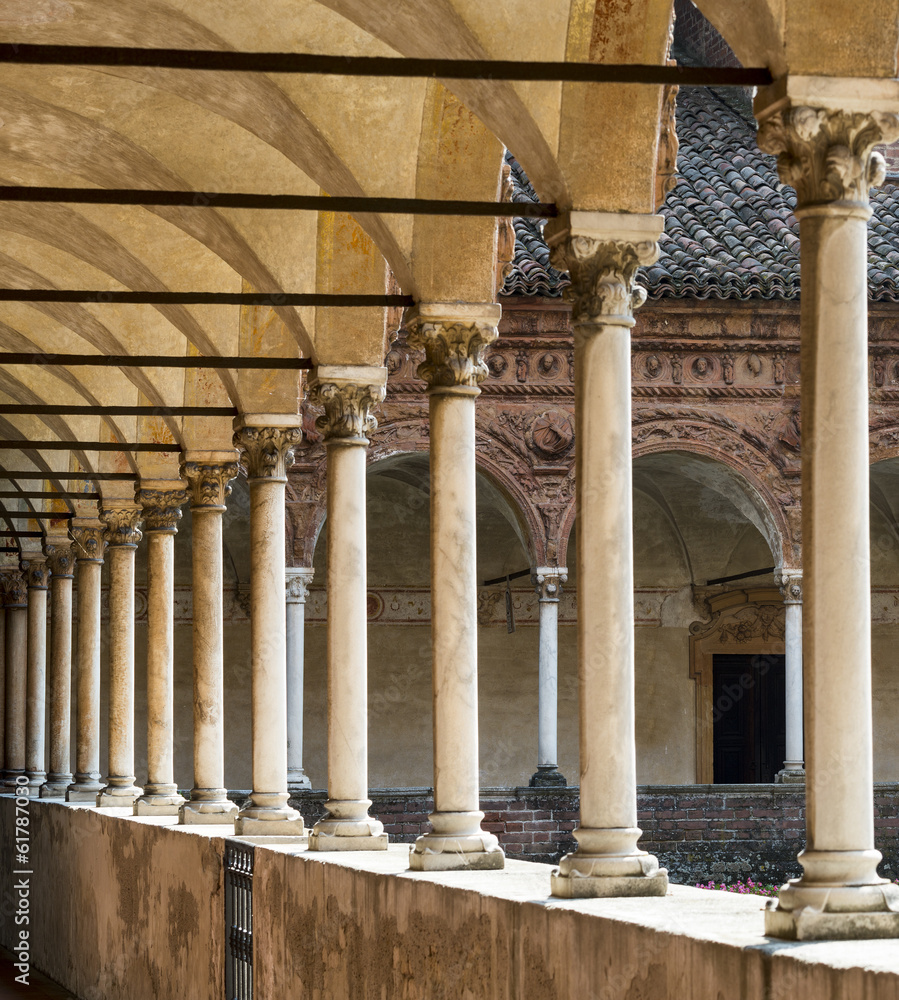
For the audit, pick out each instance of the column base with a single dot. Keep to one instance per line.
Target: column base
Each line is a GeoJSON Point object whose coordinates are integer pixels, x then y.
{"type": "Point", "coordinates": [346, 826]}
{"type": "Point", "coordinates": [35, 780]}
{"type": "Point", "coordinates": [298, 781]}
{"type": "Point", "coordinates": [158, 800]}
{"type": "Point", "coordinates": [10, 780]}
{"type": "Point", "coordinates": [268, 815]}
{"type": "Point", "coordinates": [790, 776]}
{"type": "Point", "coordinates": [457, 843]}
{"type": "Point", "coordinates": [118, 796]}
{"type": "Point", "coordinates": [85, 788]}
{"type": "Point", "coordinates": [55, 786]}
{"type": "Point", "coordinates": [202, 811]}
{"type": "Point", "coordinates": [840, 897]}
{"type": "Point", "coordinates": [547, 776]}
{"type": "Point", "coordinates": [607, 864]}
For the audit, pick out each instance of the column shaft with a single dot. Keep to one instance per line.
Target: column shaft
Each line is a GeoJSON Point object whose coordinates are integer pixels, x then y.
{"type": "Point", "coordinates": [88, 567]}
{"type": "Point", "coordinates": [16, 681]}
{"type": "Point", "coordinates": [61, 558]}
{"type": "Point", "coordinates": [36, 695]}
{"type": "Point", "coordinates": [267, 812]}
{"type": "Point", "coordinates": [298, 581]}
{"type": "Point", "coordinates": [548, 582]}
{"type": "Point", "coordinates": [793, 771]}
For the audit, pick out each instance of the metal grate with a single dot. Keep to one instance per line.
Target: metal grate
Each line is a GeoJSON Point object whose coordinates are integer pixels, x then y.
{"type": "Point", "coordinates": [238, 920]}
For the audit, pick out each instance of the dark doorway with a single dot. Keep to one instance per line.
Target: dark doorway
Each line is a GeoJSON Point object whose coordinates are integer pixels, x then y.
{"type": "Point", "coordinates": [749, 718]}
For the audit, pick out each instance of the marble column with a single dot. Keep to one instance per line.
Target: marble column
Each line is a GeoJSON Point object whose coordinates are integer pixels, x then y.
{"type": "Point", "coordinates": [122, 536]}
{"type": "Point", "coordinates": [299, 579]}
{"type": "Point", "coordinates": [16, 657]}
{"type": "Point", "coordinates": [267, 443]}
{"type": "Point", "coordinates": [793, 771]}
{"type": "Point", "coordinates": [827, 154]}
{"type": "Point", "coordinates": [161, 512]}
{"type": "Point", "coordinates": [348, 395]}
{"type": "Point", "coordinates": [603, 252]}
{"type": "Point", "coordinates": [88, 548]}
{"type": "Point", "coordinates": [208, 487]}
{"type": "Point", "coordinates": [454, 337]}
{"type": "Point", "coordinates": [37, 574]}
{"type": "Point", "coordinates": [548, 582]}
{"type": "Point", "coordinates": [61, 561]}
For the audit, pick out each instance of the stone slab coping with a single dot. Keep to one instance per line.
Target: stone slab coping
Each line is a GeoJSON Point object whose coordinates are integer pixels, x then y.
{"type": "Point", "coordinates": [699, 915]}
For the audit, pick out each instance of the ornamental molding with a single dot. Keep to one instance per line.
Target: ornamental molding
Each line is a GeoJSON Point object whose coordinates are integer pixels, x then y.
{"type": "Point", "coordinates": [454, 351]}
{"type": "Point", "coordinates": [828, 155]}
{"type": "Point", "coordinates": [60, 559]}
{"type": "Point", "coordinates": [603, 277]}
{"type": "Point", "coordinates": [207, 483]}
{"type": "Point", "coordinates": [36, 570]}
{"type": "Point", "coordinates": [88, 543]}
{"type": "Point", "coordinates": [348, 409]}
{"type": "Point", "coordinates": [161, 508]}
{"type": "Point", "coordinates": [267, 451]}
{"type": "Point", "coordinates": [744, 625]}
{"type": "Point", "coordinates": [121, 525]}
{"type": "Point", "coordinates": [13, 587]}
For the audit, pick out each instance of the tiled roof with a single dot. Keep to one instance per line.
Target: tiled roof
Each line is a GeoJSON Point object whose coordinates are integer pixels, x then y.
{"type": "Point", "coordinates": [730, 232]}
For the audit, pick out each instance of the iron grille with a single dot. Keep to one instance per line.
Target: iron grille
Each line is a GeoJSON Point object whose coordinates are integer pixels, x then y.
{"type": "Point", "coordinates": [238, 920]}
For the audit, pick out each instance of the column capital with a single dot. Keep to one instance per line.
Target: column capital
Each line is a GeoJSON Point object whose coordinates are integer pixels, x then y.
{"type": "Point", "coordinates": [88, 542]}
{"type": "Point", "coordinates": [267, 447]}
{"type": "Point", "coordinates": [36, 570]}
{"type": "Point", "coordinates": [299, 580]}
{"type": "Point", "coordinates": [13, 587]}
{"type": "Point", "coordinates": [453, 336]}
{"type": "Point", "coordinates": [207, 482]}
{"type": "Point", "coordinates": [823, 131]}
{"type": "Point", "coordinates": [121, 524]}
{"type": "Point", "coordinates": [349, 394]}
{"type": "Point", "coordinates": [60, 558]}
{"type": "Point", "coordinates": [161, 506]}
{"type": "Point", "coordinates": [789, 581]}
{"type": "Point", "coordinates": [602, 252]}
{"type": "Point", "coordinates": [548, 582]}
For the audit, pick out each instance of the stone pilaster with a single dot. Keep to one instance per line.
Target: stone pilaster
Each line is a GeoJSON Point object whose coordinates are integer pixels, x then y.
{"type": "Point", "coordinates": [453, 337]}
{"type": "Point", "coordinates": [208, 477]}
{"type": "Point", "coordinates": [88, 548]}
{"type": "Point", "coordinates": [161, 508]}
{"type": "Point", "coordinates": [548, 582]}
{"type": "Point", "coordinates": [37, 575]}
{"type": "Point", "coordinates": [299, 579]}
{"type": "Point", "coordinates": [603, 253]}
{"type": "Point", "coordinates": [824, 137]}
{"type": "Point", "coordinates": [266, 442]}
{"type": "Point", "coordinates": [15, 599]}
{"type": "Point", "coordinates": [121, 536]}
{"type": "Point", "coordinates": [61, 562]}
{"type": "Point", "coordinates": [349, 395]}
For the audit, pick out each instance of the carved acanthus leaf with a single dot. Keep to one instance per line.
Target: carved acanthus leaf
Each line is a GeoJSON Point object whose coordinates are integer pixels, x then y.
{"type": "Point", "coordinates": [60, 559]}
{"type": "Point", "coordinates": [828, 155]}
{"type": "Point", "coordinates": [121, 525]}
{"type": "Point", "coordinates": [14, 587]}
{"type": "Point", "coordinates": [603, 276]}
{"type": "Point", "coordinates": [348, 409]}
{"type": "Point", "coordinates": [88, 543]}
{"type": "Point", "coordinates": [36, 570]}
{"type": "Point", "coordinates": [268, 450]}
{"type": "Point", "coordinates": [298, 584]}
{"type": "Point", "coordinates": [454, 352]}
{"type": "Point", "coordinates": [162, 508]}
{"type": "Point", "coordinates": [207, 483]}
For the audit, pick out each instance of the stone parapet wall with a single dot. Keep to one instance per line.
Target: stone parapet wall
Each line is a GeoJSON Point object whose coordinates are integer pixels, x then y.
{"type": "Point", "coordinates": [699, 832]}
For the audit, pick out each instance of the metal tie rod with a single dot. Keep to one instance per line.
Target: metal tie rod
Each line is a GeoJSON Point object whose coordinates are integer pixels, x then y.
{"type": "Point", "coordinates": [152, 361]}
{"type": "Point", "coordinates": [272, 299]}
{"type": "Point", "coordinates": [44, 494]}
{"type": "Point", "coordinates": [15, 474]}
{"type": "Point", "coordinates": [15, 515]}
{"type": "Point", "coordinates": [21, 534]}
{"type": "Point", "coordinates": [383, 66]}
{"type": "Point", "coordinates": [24, 444]}
{"type": "Point", "coordinates": [290, 202]}
{"type": "Point", "coordinates": [48, 409]}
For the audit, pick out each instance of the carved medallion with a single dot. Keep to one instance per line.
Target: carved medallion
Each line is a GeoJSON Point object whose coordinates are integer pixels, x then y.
{"type": "Point", "coordinates": [551, 433]}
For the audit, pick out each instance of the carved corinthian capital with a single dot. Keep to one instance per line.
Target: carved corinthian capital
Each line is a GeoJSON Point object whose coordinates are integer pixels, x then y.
{"type": "Point", "coordinates": [828, 155]}
{"type": "Point", "coordinates": [36, 570]}
{"type": "Point", "coordinates": [299, 580]}
{"type": "Point", "coordinates": [161, 508]}
{"type": "Point", "coordinates": [60, 559]}
{"type": "Point", "coordinates": [88, 543]}
{"type": "Point", "coordinates": [348, 398]}
{"type": "Point", "coordinates": [208, 483]}
{"type": "Point", "coordinates": [121, 525]}
{"type": "Point", "coordinates": [453, 345]}
{"type": "Point", "coordinates": [268, 451]}
{"type": "Point", "coordinates": [13, 587]}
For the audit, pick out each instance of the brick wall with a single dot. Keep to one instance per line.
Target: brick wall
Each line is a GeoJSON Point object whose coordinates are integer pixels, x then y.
{"type": "Point", "coordinates": [696, 36]}
{"type": "Point", "coordinates": [698, 832]}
